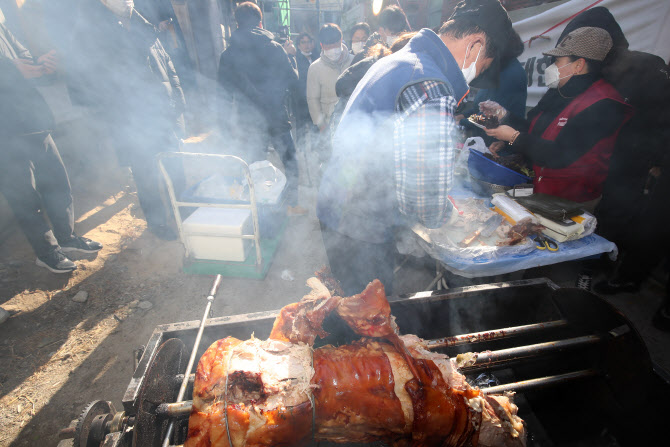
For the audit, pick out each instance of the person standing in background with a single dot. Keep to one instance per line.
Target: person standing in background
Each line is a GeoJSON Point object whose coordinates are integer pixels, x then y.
{"type": "Point", "coordinates": [360, 33]}
{"type": "Point", "coordinates": [119, 68]}
{"type": "Point", "coordinates": [305, 130]}
{"type": "Point", "coordinates": [161, 14]}
{"type": "Point", "coordinates": [511, 92]}
{"type": "Point", "coordinates": [255, 76]}
{"type": "Point", "coordinates": [33, 178]}
{"type": "Point", "coordinates": [321, 79]}
{"type": "Point", "coordinates": [392, 23]}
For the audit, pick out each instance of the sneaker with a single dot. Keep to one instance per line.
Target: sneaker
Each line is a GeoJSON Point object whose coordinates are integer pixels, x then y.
{"type": "Point", "coordinates": [81, 244]}
{"type": "Point", "coordinates": [584, 281]}
{"type": "Point", "coordinates": [56, 262]}
{"type": "Point", "coordinates": [614, 286]}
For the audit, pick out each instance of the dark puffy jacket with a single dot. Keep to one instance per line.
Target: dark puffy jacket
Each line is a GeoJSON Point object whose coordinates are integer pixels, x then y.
{"type": "Point", "coordinates": [255, 74]}
{"type": "Point", "coordinates": [126, 75]}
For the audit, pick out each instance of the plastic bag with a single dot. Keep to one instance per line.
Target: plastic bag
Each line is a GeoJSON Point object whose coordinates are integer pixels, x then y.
{"type": "Point", "coordinates": [476, 143]}
{"type": "Point", "coordinates": [461, 164]}
{"type": "Point", "coordinates": [589, 222]}
{"type": "Point", "coordinates": [492, 108]}
{"type": "Point", "coordinates": [445, 243]}
{"type": "Point", "coordinates": [269, 182]}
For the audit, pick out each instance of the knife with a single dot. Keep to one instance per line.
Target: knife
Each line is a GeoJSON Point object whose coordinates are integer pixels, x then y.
{"type": "Point", "coordinates": [489, 226]}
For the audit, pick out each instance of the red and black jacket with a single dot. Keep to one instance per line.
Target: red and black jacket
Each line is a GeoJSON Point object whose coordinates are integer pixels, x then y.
{"type": "Point", "coordinates": [571, 137]}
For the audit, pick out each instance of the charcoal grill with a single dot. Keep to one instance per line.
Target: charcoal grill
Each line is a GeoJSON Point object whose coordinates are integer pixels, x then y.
{"type": "Point", "coordinates": [582, 373]}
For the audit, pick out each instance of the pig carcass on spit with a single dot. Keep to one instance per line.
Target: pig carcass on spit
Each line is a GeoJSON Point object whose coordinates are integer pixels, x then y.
{"type": "Point", "coordinates": [384, 387]}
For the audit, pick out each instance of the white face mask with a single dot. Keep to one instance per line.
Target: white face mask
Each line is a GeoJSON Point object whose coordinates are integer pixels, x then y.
{"type": "Point", "coordinates": [121, 8]}
{"type": "Point", "coordinates": [390, 40]}
{"type": "Point", "coordinates": [306, 54]}
{"type": "Point", "coordinates": [552, 76]}
{"type": "Point", "coordinates": [357, 47]}
{"type": "Point", "coordinates": [470, 73]}
{"type": "Point", "coordinates": [333, 54]}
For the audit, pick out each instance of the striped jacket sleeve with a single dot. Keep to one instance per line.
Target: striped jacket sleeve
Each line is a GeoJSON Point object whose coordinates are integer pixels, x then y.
{"type": "Point", "coordinates": [423, 143]}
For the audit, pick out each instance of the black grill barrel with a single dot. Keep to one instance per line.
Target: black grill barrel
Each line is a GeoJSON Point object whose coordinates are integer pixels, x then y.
{"type": "Point", "coordinates": [555, 347]}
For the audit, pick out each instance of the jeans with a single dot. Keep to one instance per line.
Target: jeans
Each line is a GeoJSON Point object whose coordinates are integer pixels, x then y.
{"type": "Point", "coordinates": [33, 179]}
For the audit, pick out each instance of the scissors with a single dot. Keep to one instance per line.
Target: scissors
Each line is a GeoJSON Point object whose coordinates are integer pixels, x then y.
{"type": "Point", "coordinates": [543, 243]}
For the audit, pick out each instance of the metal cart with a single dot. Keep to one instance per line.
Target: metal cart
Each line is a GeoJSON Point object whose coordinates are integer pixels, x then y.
{"type": "Point", "coordinates": [256, 266]}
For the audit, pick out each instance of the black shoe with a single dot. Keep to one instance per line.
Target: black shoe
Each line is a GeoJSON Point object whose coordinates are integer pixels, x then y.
{"type": "Point", "coordinates": [584, 281]}
{"type": "Point", "coordinates": [56, 261]}
{"type": "Point", "coordinates": [163, 232]}
{"type": "Point", "coordinates": [614, 286]}
{"type": "Point", "coordinates": [81, 245]}
{"type": "Point", "coordinates": [661, 319]}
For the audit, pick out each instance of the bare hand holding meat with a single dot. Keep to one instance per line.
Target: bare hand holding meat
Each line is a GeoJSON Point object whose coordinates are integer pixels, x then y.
{"type": "Point", "coordinates": [384, 387]}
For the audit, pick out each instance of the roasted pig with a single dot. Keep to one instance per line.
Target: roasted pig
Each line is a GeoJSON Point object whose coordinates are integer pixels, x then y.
{"type": "Point", "coordinates": [384, 387]}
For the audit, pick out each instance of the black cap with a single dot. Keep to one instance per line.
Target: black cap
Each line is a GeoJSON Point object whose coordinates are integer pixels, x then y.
{"type": "Point", "coordinates": [489, 15]}
{"type": "Point", "coordinates": [492, 18]}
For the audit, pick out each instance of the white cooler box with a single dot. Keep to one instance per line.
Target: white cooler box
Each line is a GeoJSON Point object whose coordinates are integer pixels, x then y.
{"type": "Point", "coordinates": [202, 228]}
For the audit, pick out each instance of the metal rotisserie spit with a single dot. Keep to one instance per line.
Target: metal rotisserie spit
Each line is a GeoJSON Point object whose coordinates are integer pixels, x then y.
{"type": "Point", "coordinates": [581, 372]}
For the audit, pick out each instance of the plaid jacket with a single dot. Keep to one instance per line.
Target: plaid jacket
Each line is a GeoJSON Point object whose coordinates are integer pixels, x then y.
{"type": "Point", "coordinates": [423, 145]}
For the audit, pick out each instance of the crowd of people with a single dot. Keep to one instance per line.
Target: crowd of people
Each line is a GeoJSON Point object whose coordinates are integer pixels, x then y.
{"type": "Point", "coordinates": [381, 117]}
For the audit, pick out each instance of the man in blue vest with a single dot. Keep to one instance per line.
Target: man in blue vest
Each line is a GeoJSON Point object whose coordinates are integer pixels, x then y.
{"type": "Point", "coordinates": [393, 151]}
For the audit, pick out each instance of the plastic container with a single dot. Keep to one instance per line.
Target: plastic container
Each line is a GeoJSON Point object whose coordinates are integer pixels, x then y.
{"type": "Point", "coordinates": [481, 168]}
{"type": "Point", "coordinates": [204, 230]}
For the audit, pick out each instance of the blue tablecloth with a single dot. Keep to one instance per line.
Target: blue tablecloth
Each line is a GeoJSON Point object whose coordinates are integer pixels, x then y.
{"type": "Point", "coordinates": [569, 251]}
{"type": "Point", "coordinates": [586, 247]}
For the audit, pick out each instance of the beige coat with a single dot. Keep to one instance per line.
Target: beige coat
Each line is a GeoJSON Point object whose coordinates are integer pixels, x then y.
{"type": "Point", "coordinates": [321, 78]}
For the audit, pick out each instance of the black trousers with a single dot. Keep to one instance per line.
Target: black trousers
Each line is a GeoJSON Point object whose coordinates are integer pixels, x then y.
{"type": "Point", "coordinates": [151, 185]}
{"type": "Point", "coordinates": [33, 179]}
{"type": "Point", "coordinates": [355, 263]}
{"type": "Point", "coordinates": [650, 234]}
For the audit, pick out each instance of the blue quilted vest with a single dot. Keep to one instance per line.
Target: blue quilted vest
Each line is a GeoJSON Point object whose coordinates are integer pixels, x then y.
{"type": "Point", "coordinates": [357, 195]}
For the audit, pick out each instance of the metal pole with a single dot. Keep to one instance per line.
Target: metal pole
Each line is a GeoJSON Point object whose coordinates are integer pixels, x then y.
{"type": "Point", "coordinates": [542, 382]}
{"type": "Point", "coordinates": [476, 337]}
{"type": "Point", "coordinates": [177, 409]}
{"type": "Point", "coordinates": [196, 345]}
{"type": "Point", "coordinates": [534, 350]}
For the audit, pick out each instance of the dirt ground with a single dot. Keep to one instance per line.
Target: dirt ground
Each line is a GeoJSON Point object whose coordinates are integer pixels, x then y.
{"type": "Point", "coordinates": [56, 355]}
